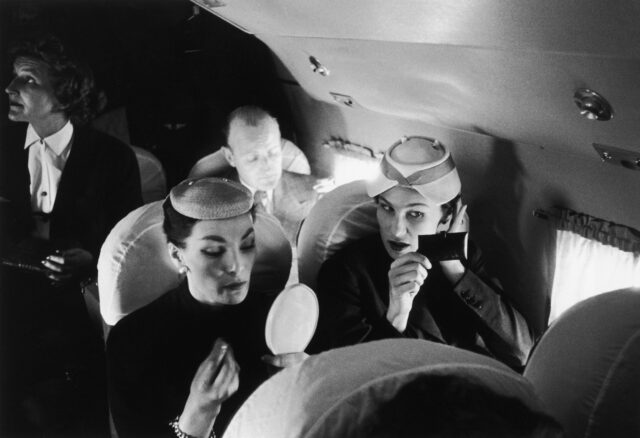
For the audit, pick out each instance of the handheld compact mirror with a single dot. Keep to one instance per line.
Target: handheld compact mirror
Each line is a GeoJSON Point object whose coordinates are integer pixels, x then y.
{"type": "Point", "coordinates": [292, 320]}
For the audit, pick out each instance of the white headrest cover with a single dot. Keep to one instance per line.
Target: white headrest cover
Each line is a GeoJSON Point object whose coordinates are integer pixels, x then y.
{"type": "Point", "coordinates": [134, 267]}
{"type": "Point", "coordinates": [586, 367]}
{"type": "Point", "coordinates": [327, 394]}
{"type": "Point", "coordinates": [341, 216]}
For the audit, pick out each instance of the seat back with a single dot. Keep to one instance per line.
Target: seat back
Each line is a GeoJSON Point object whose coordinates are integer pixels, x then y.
{"type": "Point", "coordinates": [134, 267]}
{"type": "Point", "coordinates": [586, 367]}
{"type": "Point", "coordinates": [215, 164]}
{"type": "Point", "coordinates": [332, 394]}
{"type": "Point", "coordinates": [341, 216]}
{"type": "Point", "coordinates": [153, 180]}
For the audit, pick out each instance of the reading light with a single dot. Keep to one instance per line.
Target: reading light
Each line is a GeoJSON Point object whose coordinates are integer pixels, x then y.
{"type": "Point", "coordinates": [592, 105]}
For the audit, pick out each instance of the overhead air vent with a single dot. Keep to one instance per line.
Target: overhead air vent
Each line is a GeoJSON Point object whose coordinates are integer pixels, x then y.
{"type": "Point", "coordinates": [317, 67]}
{"type": "Point", "coordinates": [343, 99]}
{"type": "Point", "coordinates": [617, 156]}
{"type": "Point", "coordinates": [592, 105]}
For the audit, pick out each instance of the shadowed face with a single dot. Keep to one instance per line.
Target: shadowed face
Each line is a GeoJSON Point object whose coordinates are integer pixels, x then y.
{"type": "Point", "coordinates": [31, 96]}
{"type": "Point", "coordinates": [256, 153]}
{"type": "Point", "coordinates": [403, 215]}
{"type": "Point", "coordinates": [219, 256]}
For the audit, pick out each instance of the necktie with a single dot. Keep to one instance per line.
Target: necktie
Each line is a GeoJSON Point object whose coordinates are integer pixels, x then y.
{"type": "Point", "coordinates": [260, 200]}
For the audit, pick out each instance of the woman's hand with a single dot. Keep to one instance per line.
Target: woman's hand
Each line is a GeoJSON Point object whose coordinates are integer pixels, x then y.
{"type": "Point", "coordinates": [215, 381]}
{"type": "Point", "coordinates": [284, 360]}
{"type": "Point", "coordinates": [406, 275]}
{"type": "Point", "coordinates": [454, 269]}
{"type": "Point", "coordinates": [65, 265]}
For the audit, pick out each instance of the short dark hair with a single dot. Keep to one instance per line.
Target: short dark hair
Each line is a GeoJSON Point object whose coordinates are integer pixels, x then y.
{"type": "Point", "coordinates": [72, 80]}
{"type": "Point", "coordinates": [449, 208]}
{"type": "Point", "coordinates": [251, 115]}
{"type": "Point", "coordinates": [446, 405]}
{"type": "Point", "coordinates": [176, 226]}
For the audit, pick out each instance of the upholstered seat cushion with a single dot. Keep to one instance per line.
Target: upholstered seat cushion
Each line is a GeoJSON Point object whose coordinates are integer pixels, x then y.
{"type": "Point", "coordinates": [134, 267]}
{"type": "Point", "coordinates": [214, 164]}
{"type": "Point", "coordinates": [586, 367]}
{"type": "Point", "coordinates": [331, 394]}
{"type": "Point", "coordinates": [339, 217]}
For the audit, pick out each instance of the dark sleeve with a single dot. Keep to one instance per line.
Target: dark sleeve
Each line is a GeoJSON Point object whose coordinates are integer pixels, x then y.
{"type": "Point", "coordinates": [503, 329]}
{"type": "Point", "coordinates": [349, 314]}
{"type": "Point", "coordinates": [132, 396]}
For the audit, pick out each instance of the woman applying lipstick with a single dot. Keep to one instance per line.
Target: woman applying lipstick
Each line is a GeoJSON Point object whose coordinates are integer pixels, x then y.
{"type": "Point", "coordinates": [381, 287]}
{"type": "Point", "coordinates": [193, 355]}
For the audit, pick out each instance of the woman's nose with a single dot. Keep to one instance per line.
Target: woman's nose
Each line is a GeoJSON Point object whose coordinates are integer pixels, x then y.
{"type": "Point", "coordinates": [398, 227]}
{"type": "Point", "coordinates": [231, 263]}
{"type": "Point", "coordinates": [11, 89]}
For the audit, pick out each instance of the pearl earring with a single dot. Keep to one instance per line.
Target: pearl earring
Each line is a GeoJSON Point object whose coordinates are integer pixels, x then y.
{"type": "Point", "coordinates": [183, 270]}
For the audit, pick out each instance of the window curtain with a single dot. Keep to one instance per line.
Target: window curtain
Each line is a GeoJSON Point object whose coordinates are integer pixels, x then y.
{"type": "Point", "coordinates": [592, 256]}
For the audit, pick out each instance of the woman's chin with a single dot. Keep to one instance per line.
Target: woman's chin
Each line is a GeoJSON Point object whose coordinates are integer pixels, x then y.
{"type": "Point", "coordinates": [234, 295]}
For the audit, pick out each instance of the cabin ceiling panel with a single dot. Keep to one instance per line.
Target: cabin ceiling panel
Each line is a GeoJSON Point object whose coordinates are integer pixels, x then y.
{"type": "Point", "coordinates": [580, 26]}
{"type": "Point", "coordinates": [517, 95]}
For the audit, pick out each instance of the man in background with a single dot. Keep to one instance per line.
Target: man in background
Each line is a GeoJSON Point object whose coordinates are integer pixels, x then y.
{"type": "Point", "coordinates": [254, 150]}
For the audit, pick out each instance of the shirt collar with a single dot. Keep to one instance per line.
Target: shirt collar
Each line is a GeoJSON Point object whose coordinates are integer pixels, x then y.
{"type": "Point", "coordinates": [58, 142]}
{"type": "Point", "coordinates": [253, 191]}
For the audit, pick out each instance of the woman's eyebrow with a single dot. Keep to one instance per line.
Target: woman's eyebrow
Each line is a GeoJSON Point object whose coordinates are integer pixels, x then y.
{"type": "Point", "coordinates": [247, 233]}
{"type": "Point", "coordinates": [214, 238]}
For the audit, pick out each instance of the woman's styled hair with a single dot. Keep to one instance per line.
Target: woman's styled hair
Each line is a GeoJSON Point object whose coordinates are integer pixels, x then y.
{"type": "Point", "coordinates": [176, 226]}
{"type": "Point", "coordinates": [72, 80]}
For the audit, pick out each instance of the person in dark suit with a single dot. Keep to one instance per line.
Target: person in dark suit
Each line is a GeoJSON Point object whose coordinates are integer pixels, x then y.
{"type": "Point", "coordinates": [254, 150]}
{"type": "Point", "coordinates": [63, 186]}
{"type": "Point", "coordinates": [382, 286]}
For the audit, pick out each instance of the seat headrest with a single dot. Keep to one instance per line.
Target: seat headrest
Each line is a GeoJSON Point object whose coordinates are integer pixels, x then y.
{"type": "Point", "coordinates": [341, 216]}
{"type": "Point", "coordinates": [215, 164]}
{"type": "Point", "coordinates": [153, 180]}
{"type": "Point", "coordinates": [331, 393]}
{"type": "Point", "coordinates": [134, 267]}
{"type": "Point", "coordinates": [586, 367]}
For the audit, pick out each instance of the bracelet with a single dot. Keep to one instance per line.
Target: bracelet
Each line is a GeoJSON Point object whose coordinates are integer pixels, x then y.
{"type": "Point", "coordinates": [175, 426]}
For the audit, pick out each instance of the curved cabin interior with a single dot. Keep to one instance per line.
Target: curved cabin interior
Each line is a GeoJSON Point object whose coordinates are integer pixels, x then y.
{"type": "Point", "coordinates": [536, 101]}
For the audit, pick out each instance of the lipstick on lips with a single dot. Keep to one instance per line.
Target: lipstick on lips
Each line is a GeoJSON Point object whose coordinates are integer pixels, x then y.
{"type": "Point", "coordinates": [397, 246]}
{"type": "Point", "coordinates": [236, 285]}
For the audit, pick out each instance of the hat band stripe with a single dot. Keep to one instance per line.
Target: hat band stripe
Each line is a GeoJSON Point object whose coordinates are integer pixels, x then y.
{"type": "Point", "coordinates": [424, 176]}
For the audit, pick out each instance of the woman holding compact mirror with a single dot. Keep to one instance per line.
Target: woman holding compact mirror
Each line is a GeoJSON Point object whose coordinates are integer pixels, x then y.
{"type": "Point", "coordinates": [383, 286]}
{"type": "Point", "coordinates": [181, 365]}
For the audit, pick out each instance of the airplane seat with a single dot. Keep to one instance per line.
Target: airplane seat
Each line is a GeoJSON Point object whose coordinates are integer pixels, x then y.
{"type": "Point", "coordinates": [338, 392]}
{"type": "Point", "coordinates": [586, 367]}
{"type": "Point", "coordinates": [341, 216]}
{"type": "Point", "coordinates": [293, 160]}
{"type": "Point", "coordinates": [134, 266]}
{"type": "Point", "coordinates": [153, 180]}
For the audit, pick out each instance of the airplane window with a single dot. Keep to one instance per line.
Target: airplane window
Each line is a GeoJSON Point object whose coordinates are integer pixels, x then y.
{"type": "Point", "coordinates": [592, 257]}
{"type": "Point", "coordinates": [352, 162]}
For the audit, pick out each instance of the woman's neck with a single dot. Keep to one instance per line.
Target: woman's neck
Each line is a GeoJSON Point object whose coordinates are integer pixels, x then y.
{"type": "Point", "coordinates": [50, 125]}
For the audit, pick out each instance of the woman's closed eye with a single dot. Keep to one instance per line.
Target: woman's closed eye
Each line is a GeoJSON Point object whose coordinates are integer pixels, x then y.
{"type": "Point", "coordinates": [248, 244]}
{"type": "Point", "coordinates": [213, 252]}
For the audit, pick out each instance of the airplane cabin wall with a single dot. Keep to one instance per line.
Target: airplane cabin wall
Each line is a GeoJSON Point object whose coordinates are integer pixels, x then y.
{"type": "Point", "coordinates": [503, 182]}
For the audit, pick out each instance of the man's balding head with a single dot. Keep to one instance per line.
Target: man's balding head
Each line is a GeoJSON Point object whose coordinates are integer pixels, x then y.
{"type": "Point", "coordinates": [254, 147]}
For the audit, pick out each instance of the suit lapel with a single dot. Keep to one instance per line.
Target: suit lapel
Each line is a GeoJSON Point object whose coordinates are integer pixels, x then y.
{"type": "Point", "coordinates": [76, 174]}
